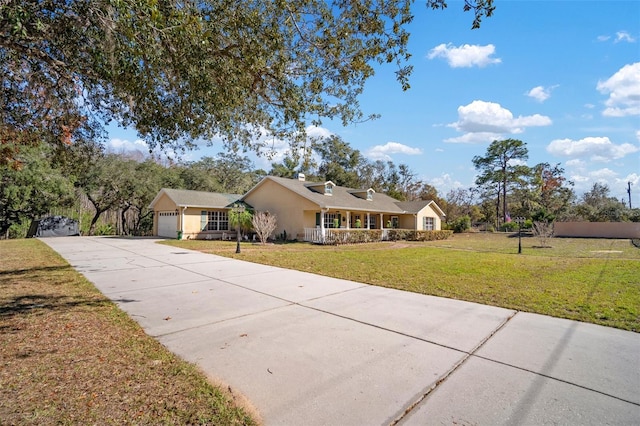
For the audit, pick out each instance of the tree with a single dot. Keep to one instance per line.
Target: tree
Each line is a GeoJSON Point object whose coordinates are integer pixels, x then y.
{"type": "Point", "coordinates": [598, 206]}
{"type": "Point", "coordinates": [286, 169]}
{"type": "Point", "coordinates": [240, 218]}
{"type": "Point", "coordinates": [502, 166]}
{"type": "Point", "coordinates": [32, 189]}
{"type": "Point", "coordinates": [553, 192]}
{"type": "Point", "coordinates": [179, 71]}
{"type": "Point", "coordinates": [264, 224]}
{"type": "Point", "coordinates": [460, 204]}
{"type": "Point", "coordinates": [339, 162]}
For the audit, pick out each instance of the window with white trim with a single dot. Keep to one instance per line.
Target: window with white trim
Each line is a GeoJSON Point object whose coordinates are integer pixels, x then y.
{"type": "Point", "coordinates": [428, 224]}
{"type": "Point", "coordinates": [217, 221]}
{"type": "Point", "coordinates": [329, 220]}
{"type": "Point", "coordinates": [328, 189]}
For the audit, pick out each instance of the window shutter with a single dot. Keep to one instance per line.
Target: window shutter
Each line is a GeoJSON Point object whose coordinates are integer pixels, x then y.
{"type": "Point", "coordinates": [317, 219]}
{"type": "Point", "coordinates": [203, 220]}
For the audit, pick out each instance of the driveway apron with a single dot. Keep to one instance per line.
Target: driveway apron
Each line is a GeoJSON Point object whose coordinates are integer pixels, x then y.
{"type": "Point", "coordinates": [312, 350]}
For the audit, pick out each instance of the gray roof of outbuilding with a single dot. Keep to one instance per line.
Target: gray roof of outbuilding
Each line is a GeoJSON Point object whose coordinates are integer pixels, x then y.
{"type": "Point", "coordinates": [188, 198]}
{"type": "Point", "coordinates": [341, 198]}
{"type": "Point", "coordinates": [413, 206]}
{"type": "Point", "coordinates": [416, 206]}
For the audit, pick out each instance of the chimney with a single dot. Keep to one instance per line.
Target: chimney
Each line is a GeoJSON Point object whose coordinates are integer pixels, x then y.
{"type": "Point", "coordinates": [300, 177]}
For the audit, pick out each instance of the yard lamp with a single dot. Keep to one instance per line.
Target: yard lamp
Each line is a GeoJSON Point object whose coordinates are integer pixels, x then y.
{"type": "Point", "coordinates": [238, 209]}
{"type": "Point", "coordinates": [519, 220]}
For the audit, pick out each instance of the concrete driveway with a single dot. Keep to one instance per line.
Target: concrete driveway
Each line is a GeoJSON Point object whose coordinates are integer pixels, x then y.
{"type": "Point", "coordinates": [312, 350]}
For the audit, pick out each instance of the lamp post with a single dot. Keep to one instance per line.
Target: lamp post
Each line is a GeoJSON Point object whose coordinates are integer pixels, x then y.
{"type": "Point", "coordinates": [238, 209]}
{"type": "Point", "coordinates": [519, 220]}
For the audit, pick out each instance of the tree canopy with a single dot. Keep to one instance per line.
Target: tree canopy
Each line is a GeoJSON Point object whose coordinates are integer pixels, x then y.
{"type": "Point", "coordinates": [180, 71]}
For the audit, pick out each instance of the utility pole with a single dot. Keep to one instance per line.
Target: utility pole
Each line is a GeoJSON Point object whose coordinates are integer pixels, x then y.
{"type": "Point", "coordinates": [629, 192]}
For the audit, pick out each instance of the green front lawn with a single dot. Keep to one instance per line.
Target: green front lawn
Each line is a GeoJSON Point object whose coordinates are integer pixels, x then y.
{"type": "Point", "coordinates": [591, 280]}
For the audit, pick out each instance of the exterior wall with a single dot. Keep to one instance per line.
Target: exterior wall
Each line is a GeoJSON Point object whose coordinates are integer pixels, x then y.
{"type": "Point", "coordinates": [164, 204]}
{"type": "Point", "coordinates": [193, 223]}
{"type": "Point", "coordinates": [429, 212]}
{"type": "Point", "coordinates": [407, 221]}
{"type": "Point", "coordinates": [597, 229]}
{"type": "Point", "coordinates": [292, 212]}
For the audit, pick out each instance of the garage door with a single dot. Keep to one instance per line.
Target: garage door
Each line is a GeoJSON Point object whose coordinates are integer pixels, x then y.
{"type": "Point", "coordinates": [167, 224]}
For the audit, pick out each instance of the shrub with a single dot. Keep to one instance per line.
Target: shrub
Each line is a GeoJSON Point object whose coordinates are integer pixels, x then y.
{"type": "Point", "coordinates": [264, 224]}
{"type": "Point", "coordinates": [461, 224]}
{"type": "Point", "coordinates": [509, 227]}
{"type": "Point", "coordinates": [345, 236]}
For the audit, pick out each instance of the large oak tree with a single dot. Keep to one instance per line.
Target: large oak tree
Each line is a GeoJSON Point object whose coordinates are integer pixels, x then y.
{"type": "Point", "coordinates": [181, 71]}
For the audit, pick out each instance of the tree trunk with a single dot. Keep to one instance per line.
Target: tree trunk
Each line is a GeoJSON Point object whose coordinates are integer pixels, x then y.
{"type": "Point", "coordinates": [504, 196]}
{"type": "Point", "coordinates": [95, 218]}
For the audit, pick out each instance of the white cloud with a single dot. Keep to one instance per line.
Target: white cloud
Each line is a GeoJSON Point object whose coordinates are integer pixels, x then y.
{"type": "Point", "coordinates": [603, 38]}
{"type": "Point", "coordinates": [478, 137]}
{"type": "Point", "coordinates": [575, 163]}
{"type": "Point", "coordinates": [382, 152]}
{"type": "Point", "coordinates": [444, 183]}
{"type": "Point", "coordinates": [465, 56]}
{"type": "Point", "coordinates": [594, 148]}
{"type": "Point", "coordinates": [624, 36]}
{"type": "Point", "coordinates": [482, 121]}
{"type": "Point", "coordinates": [126, 145]}
{"type": "Point", "coordinates": [624, 92]}
{"type": "Point", "coordinates": [318, 132]}
{"type": "Point", "coordinates": [603, 174]}
{"type": "Point", "coordinates": [540, 93]}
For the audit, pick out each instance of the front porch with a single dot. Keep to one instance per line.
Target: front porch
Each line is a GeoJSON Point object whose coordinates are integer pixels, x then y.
{"type": "Point", "coordinates": [335, 226]}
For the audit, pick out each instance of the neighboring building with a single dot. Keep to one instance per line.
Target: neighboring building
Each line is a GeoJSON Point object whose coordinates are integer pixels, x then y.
{"type": "Point", "coordinates": [305, 210]}
{"type": "Point", "coordinates": [192, 214]}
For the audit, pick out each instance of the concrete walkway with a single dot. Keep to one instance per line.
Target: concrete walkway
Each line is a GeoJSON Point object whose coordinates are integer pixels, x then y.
{"type": "Point", "coordinates": [312, 350]}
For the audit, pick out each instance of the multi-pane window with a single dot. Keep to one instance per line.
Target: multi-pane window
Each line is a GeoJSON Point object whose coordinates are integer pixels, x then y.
{"type": "Point", "coordinates": [217, 221]}
{"type": "Point", "coordinates": [372, 222]}
{"type": "Point", "coordinates": [428, 224]}
{"type": "Point", "coordinates": [330, 220]}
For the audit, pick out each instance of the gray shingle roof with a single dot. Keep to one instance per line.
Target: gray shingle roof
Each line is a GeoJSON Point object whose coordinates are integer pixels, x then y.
{"type": "Point", "coordinates": [341, 197]}
{"type": "Point", "coordinates": [413, 206]}
{"type": "Point", "coordinates": [185, 197]}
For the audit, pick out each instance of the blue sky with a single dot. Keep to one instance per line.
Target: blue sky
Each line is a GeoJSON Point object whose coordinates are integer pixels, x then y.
{"type": "Point", "coordinates": [562, 76]}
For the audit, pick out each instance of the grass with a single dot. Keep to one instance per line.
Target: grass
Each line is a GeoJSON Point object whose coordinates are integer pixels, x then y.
{"type": "Point", "coordinates": [590, 280]}
{"type": "Point", "coordinates": [70, 356]}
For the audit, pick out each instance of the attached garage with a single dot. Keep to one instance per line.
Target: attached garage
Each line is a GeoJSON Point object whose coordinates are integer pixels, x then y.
{"type": "Point", "coordinates": [180, 213]}
{"type": "Point", "coordinates": [167, 224]}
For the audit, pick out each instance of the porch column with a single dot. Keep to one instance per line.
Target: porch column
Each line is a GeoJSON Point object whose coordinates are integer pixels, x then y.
{"type": "Point", "coordinates": [322, 230]}
{"type": "Point", "coordinates": [348, 219]}
{"type": "Point", "coordinates": [381, 220]}
{"type": "Point", "coordinates": [368, 221]}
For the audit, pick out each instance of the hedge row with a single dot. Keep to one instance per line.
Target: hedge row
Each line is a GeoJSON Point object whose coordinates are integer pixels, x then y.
{"type": "Point", "coordinates": [410, 235]}
{"type": "Point", "coordinates": [375, 235]}
{"type": "Point", "coordinates": [353, 237]}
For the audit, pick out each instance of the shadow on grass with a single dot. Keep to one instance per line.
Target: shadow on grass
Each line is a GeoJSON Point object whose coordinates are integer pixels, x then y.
{"type": "Point", "coordinates": [11, 273]}
{"type": "Point", "coordinates": [29, 303]}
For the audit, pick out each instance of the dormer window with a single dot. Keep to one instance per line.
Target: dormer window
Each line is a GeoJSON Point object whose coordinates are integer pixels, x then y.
{"type": "Point", "coordinates": [365, 194]}
{"type": "Point", "coordinates": [325, 188]}
{"type": "Point", "coordinates": [328, 188]}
